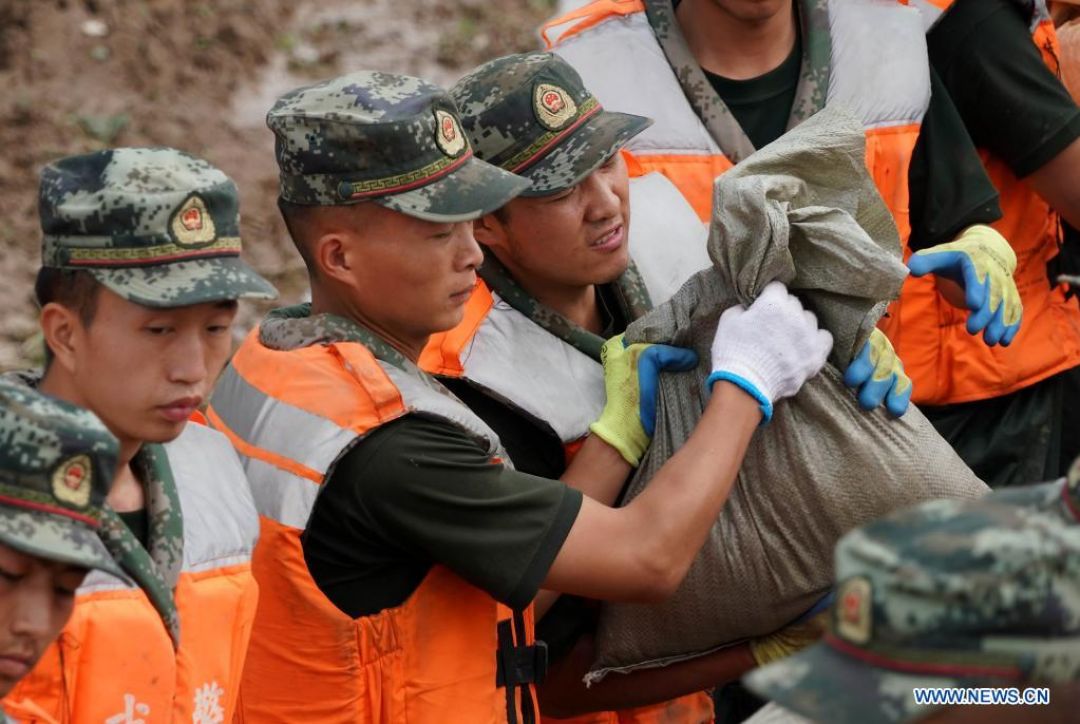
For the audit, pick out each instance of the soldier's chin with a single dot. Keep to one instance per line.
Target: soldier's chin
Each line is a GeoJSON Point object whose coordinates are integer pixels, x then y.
{"type": "Point", "coordinates": [163, 431]}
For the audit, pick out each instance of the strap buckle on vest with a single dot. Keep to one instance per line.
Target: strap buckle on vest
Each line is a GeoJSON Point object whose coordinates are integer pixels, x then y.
{"type": "Point", "coordinates": [522, 665]}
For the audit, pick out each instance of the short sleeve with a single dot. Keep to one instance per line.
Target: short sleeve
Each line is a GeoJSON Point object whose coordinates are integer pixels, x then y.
{"type": "Point", "coordinates": [1012, 104]}
{"type": "Point", "coordinates": [424, 491]}
{"type": "Point", "coordinates": [949, 189]}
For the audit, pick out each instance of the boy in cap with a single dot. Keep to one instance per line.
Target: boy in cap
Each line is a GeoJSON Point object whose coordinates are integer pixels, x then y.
{"type": "Point", "coordinates": [400, 551]}
{"type": "Point", "coordinates": [139, 286]}
{"type": "Point", "coordinates": [56, 465]}
{"type": "Point", "coordinates": [960, 595]}
{"type": "Point", "coordinates": [557, 279]}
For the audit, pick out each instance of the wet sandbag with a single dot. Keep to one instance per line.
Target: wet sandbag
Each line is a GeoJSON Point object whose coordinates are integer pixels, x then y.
{"type": "Point", "coordinates": [805, 211]}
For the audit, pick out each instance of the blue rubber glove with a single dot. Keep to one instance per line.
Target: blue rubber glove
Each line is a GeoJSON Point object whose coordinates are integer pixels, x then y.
{"type": "Point", "coordinates": [983, 263]}
{"type": "Point", "coordinates": [878, 375]}
{"type": "Point", "coordinates": [631, 379]}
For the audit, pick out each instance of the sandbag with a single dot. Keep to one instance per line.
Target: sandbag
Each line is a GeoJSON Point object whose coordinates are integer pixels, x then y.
{"type": "Point", "coordinates": [805, 211]}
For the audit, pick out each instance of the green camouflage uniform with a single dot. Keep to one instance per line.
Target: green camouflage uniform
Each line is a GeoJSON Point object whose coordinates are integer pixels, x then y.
{"type": "Point", "coordinates": [945, 594]}
{"type": "Point", "coordinates": [160, 228]}
{"type": "Point", "coordinates": [810, 94]}
{"type": "Point", "coordinates": [530, 114]}
{"type": "Point", "coordinates": [390, 139]}
{"type": "Point", "coordinates": [154, 225]}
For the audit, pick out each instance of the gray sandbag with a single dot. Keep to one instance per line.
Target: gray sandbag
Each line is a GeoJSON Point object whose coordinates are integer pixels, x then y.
{"type": "Point", "coordinates": [805, 211]}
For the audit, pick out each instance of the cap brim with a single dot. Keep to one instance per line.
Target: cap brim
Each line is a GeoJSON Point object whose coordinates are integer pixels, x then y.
{"type": "Point", "coordinates": [824, 685]}
{"type": "Point", "coordinates": [474, 189]}
{"type": "Point", "coordinates": [184, 283]}
{"type": "Point", "coordinates": [582, 152]}
{"type": "Point", "coordinates": [44, 535]}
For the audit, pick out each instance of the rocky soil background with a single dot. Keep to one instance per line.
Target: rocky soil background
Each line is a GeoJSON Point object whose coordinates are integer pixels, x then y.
{"type": "Point", "coordinates": [80, 75]}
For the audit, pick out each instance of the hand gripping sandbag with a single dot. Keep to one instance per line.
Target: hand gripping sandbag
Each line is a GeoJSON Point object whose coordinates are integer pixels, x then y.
{"type": "Point", "coordinates": [802, 210]}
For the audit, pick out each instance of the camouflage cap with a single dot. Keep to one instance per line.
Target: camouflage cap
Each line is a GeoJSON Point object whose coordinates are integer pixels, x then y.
{"type": "Point", "coordinates": [154, 225]}
{"type": "Point", "coordinates": [949, 594]}
{"type": "Point", "coordinates": [391, 139]}
{"type": "Point", "coordinates": [531, 114]}
{"type": "Point", "coordinates": [56, 466]}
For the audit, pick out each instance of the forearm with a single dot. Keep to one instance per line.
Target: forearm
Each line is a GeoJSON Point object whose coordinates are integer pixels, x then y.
{"type": "Point", "coordinates": [564, 694]}
{"type": "Point", "coordinates": [641, 552]}
{"type": "Point", "coordinates": [1058, 182]}
{"type": "Point", "coordinates": [598, 470]}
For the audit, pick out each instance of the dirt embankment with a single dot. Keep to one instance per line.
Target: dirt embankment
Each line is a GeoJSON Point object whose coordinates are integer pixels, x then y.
{"type": "Point", "coordinates": [79, 75]}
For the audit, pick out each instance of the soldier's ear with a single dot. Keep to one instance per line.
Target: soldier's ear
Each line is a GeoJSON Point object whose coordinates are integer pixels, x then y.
{"type": "Point", "coordinates": [60, 326]}
{"type": "Point", "coordinates": [490, 230]}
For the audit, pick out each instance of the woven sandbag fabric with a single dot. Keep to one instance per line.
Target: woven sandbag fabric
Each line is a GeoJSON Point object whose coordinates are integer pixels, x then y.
{"type": "Point", "coordinates": [802, 210]}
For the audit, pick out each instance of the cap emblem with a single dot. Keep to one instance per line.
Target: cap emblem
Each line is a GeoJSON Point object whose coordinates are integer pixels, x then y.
{"type": "Point", "coordinates": [192, 224]}
{"type": "Point", "coordinates": [71, 481]}
{"type": "Point", "coordinates": [448, 134]}
{"type": "Point", "coordinates": [853, 615]}
{"type": "Point", "coordinates": [553, 106]}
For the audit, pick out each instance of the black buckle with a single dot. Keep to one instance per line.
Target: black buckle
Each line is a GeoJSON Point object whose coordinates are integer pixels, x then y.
{"type": "Point", "coordinates": [522, 665]}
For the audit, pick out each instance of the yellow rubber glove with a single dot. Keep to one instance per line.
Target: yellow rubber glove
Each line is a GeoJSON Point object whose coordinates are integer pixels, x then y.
{"type": "Point", "coordinates": [789, 640]}
{"type": "Point", "coordinates": [631, 379]}
{"type": "Point", "coordinates": [879, 376]}
{"type": "Point", "coordinates": [983, 263]}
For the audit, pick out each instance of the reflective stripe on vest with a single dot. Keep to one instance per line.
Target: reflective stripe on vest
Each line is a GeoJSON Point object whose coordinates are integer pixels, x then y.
{"type": "Point", "coordinates": [115, 629]}
{"type": "Point", "coordinates": [947, 364]}
{"type": "Point", "coordinates": [443, 652]}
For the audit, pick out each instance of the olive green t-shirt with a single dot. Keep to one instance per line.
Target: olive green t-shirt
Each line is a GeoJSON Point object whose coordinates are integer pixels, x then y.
{"type": "Point", "coordinates": [418, 492]}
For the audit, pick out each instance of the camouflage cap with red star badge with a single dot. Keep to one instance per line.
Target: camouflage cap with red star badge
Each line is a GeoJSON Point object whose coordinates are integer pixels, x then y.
{"type": "Point", "coordinates": [946, 594]}
{"type": "Point", "coordinates": [157, 226]}
{"type": "Point", "coordinates": [531, 115]}
{"type": "Point", "coordinates": [56, 467]}
{"type": "Point", "coordinates": [390, 139]}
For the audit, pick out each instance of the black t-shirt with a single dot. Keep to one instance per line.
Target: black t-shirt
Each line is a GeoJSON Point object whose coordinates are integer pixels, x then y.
{"type": "Point", "coordinates": [762, 105]}
{"type": "Point", "coordinates": [418, 492]}
{"type": "Point", "coordinates": [947, 185]}
{"type": "Point", "coordinates": [1012, 104]}
{"type": "Point", "coordinates": [138, 522]}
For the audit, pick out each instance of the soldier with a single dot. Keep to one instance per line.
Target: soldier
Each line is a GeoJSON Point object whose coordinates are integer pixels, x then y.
{"type": "Point", "coordinates": [947, 594]}
{"type": "Point", "coordinates": [726, 77]}
{"type": "Point", "coordinates": [557, 279]}
{"type": "Point", "coordinates": [56, 465]}
{"type": "Point", "coordinates": [400, 550]}
{"type": "Point", "coordinates": [140, 277]}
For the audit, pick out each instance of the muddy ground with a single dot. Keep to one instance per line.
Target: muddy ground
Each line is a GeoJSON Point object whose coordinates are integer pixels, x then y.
{"type": "Point", "coordinates": [79, 75]}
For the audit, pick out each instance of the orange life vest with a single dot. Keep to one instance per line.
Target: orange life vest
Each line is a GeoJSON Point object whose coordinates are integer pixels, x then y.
{"type": "Point", "coordinates": [115, 662]}
{"type": "Point", "coordinates": [946, 363]}
{"type": "Point", "coordinates": [450, 652]}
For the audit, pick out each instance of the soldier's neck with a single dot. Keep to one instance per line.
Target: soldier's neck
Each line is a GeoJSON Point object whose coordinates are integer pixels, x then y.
{"type": "Point", "coordinates": [576, 303]}
{"type": "Point", "coordinates": [738, 47]}
{"type": "Point", "coordinates": [407, 343]}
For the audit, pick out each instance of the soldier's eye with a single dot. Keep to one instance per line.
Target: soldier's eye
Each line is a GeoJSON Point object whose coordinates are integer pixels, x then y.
{"type": "Point", "coordinates": [157, 331]}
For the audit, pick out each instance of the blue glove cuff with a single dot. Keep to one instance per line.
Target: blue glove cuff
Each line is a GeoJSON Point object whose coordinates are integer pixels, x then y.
{"type": "Point", "coordinates": [746, 386]}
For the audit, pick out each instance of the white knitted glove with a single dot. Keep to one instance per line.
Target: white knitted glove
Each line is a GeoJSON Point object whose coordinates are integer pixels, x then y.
{"type": "Point", "coordinates": [769, 349]}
